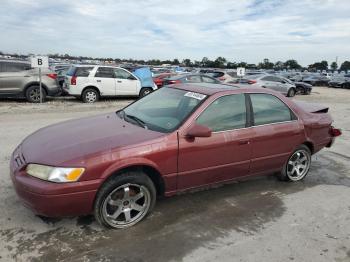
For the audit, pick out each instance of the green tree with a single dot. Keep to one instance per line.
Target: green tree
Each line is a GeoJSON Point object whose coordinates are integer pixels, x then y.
{"type": "Point", "coordinates": [279, 65]}
{"type": "Point", "coordinates": [176, 61]}
{"type": "Point", "coordinates": [220, 62]}
{"type": "Point", "coordinates": [187, 62]}
{"type": "Point", "coordinates": [292, 64]}
{"type": "Point", "coordinates": [334, 66]}
{"type": "Point", "coordinates": [266, 64]}
{"type": "Point", "coordinates": [345, 66]}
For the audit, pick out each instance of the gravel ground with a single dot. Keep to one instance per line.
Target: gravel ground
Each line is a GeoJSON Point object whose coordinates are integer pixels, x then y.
{"type": "Point", "coordinates": [257, 220]}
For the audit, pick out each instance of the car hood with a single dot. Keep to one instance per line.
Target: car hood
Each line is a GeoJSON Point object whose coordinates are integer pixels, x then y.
{"type": "Point", "coordinates": [63, 142]}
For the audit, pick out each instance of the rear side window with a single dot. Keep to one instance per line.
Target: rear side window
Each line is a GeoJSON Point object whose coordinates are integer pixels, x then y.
{"type": "Point", "coordinates": [225, 113]}
{"type": "Point", "coordinates": [13, 67]}
{"type": "Point", "coordinates": [268, 109]}
{"type": "Point", "coordinates": [105, 72]}
{"type": "Point", "coordinates": [208, 80]}
{"type": "Point", "coordinates": [193, 79]}
{"type": "Point", "coordinates": [79, 71]}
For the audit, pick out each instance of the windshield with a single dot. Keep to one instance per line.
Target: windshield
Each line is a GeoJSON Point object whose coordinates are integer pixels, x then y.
{"type": "Point", "coordinates": [163, 110]}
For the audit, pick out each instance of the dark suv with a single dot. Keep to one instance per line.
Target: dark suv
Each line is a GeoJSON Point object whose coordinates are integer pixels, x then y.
{"type": "Point", "coordinates": [18, 79]}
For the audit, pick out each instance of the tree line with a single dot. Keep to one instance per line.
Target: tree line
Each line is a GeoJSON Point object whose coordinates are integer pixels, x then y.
{"type": "Point", "coordinates": [219, 62]}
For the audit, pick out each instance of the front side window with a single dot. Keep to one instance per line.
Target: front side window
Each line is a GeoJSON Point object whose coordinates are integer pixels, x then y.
{"type": "Point", "coordinates": [268, 109]}
{"type": "Point", "coordinates": [225, 113]}
{"type": "Point", "coordinates": [105, 72]}
{"type": "Point", "coordinates": [122, 74]}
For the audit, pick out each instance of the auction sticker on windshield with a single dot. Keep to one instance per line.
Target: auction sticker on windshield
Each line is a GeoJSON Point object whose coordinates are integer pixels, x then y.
{"type": "Point", "coordinates": [195, 95]}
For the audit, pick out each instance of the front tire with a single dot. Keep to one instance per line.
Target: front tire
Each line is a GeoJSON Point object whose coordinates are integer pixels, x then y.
{"type": "Point", "coordinates": [33, 94]}
{"type": "Point", "coordinates": [145, 91]}
{"type": "Point", "coordinates": [90, 95]}
{"type": "Point", "coordinates": [125, 200]}
{"type": "Point", "coordinates": [297, 165]}
{"type": "Point", "coordinates": [291, 92]}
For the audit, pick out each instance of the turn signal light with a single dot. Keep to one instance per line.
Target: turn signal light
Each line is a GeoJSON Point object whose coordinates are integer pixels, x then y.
{"type": "Point", "coordinates": [251, 82]}
{"type": "Point", "coordinates": [51, 75]}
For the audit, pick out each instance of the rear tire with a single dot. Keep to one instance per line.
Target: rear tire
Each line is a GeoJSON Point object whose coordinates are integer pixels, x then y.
{"type": "Point", "coordinates": [90, 95]}
{"type": "Point", "coordinates": [125, 200]}
{"type": "Point", "coordinates": [33, 94]}
{"type": "Point", "coordinates": [297, 165]}
{"type": "Point", "coordinates": [145, 91]}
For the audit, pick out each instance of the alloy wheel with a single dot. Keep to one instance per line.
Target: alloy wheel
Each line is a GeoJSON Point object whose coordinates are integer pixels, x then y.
{"type": "Point", "coordinates": [90, 96]}
{"type": "Point", "coordinates": [126, 205]}
{"type": "Point", "coordinates": [34, 94]}
{"type": "Point", "coordinates": [298, 165]}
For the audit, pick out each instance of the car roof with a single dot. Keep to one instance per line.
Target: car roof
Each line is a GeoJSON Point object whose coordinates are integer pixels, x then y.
{"type": "Point", "coordinates": [211, 89]}
{"type": "Point", "coordinates": [185, 75]}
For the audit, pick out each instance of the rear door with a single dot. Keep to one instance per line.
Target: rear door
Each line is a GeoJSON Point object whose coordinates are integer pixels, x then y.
{"type": "Point", "coordinates": [276, 133]}
{"type": "Point", "coordinates": [126, 83]}
{"type": "Point", "coordinates": [105, 80]}
{"type": "Point", "coordinates": [12, 76]}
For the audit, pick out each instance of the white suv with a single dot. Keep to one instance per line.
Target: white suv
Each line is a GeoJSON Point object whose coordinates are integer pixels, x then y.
{"type": "Point", "coordinates": [90, 82]}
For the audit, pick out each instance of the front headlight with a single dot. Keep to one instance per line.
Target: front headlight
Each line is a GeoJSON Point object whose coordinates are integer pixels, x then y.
{"type": "Point", "coordinates": [54, 174]}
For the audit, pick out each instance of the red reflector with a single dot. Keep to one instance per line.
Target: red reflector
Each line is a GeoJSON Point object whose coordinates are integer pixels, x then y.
{"type": "Point", "coordinates": [52, 75]}
{"type": "Point", "coordinates": [73, 80]}
{"type": "Point", "coordinates": [251, 82]}
{"type": "Point", "coordinates": [334, 131]}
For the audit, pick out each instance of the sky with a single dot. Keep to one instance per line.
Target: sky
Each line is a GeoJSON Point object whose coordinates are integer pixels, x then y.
{"type": "Point", "coordinates": [239, 30]}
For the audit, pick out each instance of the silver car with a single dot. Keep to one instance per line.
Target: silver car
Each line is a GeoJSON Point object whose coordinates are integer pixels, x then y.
{"type": "Point", "coordinates": [273, 82]}
{"type": "Point", "coordinates": [17, 79]}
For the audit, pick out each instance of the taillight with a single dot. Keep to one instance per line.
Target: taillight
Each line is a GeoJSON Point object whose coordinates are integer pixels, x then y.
{"type": "Point", "coordinates": [52, 75]}
{"type": "Point", "coordinates": [222, 78]}
{"type": "Point", "coordinates": [73, 80]}
{"type": "Point", "coordinates": [251, 82]}
{"type": "Point", "coordinates": [174, 82]}
{"type": "Point", "coordinates": [334, 131]}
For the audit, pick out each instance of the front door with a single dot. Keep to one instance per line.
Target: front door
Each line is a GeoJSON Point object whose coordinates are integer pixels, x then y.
{"type": "Point", "coordinates": [223, 156]}
{"type": "Point", "coordinates": [126, 83]}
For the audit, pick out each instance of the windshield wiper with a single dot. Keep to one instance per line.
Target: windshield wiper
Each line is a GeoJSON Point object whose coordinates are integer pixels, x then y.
{"type": "Point", "coordinates": [137, 120]}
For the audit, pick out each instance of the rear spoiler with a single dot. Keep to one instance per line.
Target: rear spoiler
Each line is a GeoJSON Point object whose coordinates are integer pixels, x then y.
{"type": "Point", "coordinates": [312, 108]}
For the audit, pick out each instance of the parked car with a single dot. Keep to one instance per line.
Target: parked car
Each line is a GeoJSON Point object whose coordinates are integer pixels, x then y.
{"type": "Point", "coordinates": [222, 76]}
{"type": "Point", "coordinates": [90, 82]}
{"type": "Point", "coordinates": [273, 82]}
{"type": "Point", "coordinates": [316, 80]}
{"type": "Point", "coordinates": [301, 87]}
{"type": "Point", "coordinates": [340, 82]}
{"type": "Point", "coordinates": [17, 79]}
{"type": "Point", "coordinates": [175, 139]}
{"type": "Point", "coordinates": [158, 79]}
{"type": "Point", "coordinates": [191, 78]}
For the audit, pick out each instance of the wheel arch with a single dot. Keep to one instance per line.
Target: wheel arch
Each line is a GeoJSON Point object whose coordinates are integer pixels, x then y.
{"type": "Point", "coordinates": [150, 170]}
{"type": "Point", "coordinates": [310, 145]}
{"type": "Point", "coordinates": [92, 87]}
{"type": "Point", "coordinates": [34, 83]}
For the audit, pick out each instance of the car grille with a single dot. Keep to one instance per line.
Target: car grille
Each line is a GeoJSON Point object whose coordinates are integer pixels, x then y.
{"type": "Point", "coordinates": [18, 158]}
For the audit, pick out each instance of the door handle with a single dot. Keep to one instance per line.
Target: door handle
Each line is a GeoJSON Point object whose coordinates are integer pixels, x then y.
{"type": "Point", "coordinates": [243, 142]}
{"type": "Point", "coordinates": [98, 81]}
{"type": "Point", "coordinates": [118, 81]}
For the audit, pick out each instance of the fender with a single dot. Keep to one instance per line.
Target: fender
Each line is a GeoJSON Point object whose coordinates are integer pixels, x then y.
{"type": "Point", "coordinates": [139, 161]}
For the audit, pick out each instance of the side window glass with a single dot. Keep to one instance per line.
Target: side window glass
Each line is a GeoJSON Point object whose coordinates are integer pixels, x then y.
{"type": "Point", "coordinates": [105, 72]}
{"type": "Point", "coordinates": [269, 109]}
{"type": "Point", "coordinates": [82, 71]}
{"type": "Point", "coordinates": [225, 113]}
{"type": "Point", "coordinates": [208, 80]}
{"type": "Point", "coordinates": [122, 74]}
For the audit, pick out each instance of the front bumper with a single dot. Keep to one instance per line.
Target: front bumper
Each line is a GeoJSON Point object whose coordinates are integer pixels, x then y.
{"type": "Point", "coordinates": [53, 199]}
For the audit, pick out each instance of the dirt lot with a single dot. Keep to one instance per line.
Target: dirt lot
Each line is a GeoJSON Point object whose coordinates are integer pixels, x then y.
{"type": "Point", "coordinates": [257, 220]}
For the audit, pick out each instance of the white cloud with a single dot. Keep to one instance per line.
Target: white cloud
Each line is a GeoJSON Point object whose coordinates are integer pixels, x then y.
{"type": "Point", "coordinates": [248, 30]}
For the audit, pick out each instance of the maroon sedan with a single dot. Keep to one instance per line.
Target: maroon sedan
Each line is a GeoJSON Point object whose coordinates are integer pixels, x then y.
{"type": "Point", "coordinates": [175, 139]}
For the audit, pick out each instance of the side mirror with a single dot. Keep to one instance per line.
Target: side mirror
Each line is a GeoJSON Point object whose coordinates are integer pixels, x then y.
{"type": "Point", "coordinates": [198, 131]}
